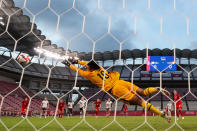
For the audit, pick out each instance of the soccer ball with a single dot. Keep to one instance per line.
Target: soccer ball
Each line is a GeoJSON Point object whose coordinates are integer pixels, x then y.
{"type": "Point", "coordinates": [23, 58]}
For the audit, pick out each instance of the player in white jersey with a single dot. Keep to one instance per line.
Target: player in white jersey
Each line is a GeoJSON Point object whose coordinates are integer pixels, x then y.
{"type": "Point", "coordinates": [44, 107]}
{"type": "Point", "coordinates": [168, 111]}
{"type": "Point", "coordinates": [82, 105]}
{"type": "Point", "coordinates": [108, 107]}
{"type": "Point", "coordinates": [70, 108]}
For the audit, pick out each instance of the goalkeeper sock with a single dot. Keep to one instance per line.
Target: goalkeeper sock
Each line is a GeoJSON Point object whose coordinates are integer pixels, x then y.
{"type": "Point", "coordinates": [149, 91]}
{"type": "Point", "coordinates": [151, 108]}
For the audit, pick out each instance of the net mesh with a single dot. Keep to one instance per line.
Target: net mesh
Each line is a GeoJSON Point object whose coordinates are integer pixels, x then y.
{"type": "Point", "coordinates": [84, 31]}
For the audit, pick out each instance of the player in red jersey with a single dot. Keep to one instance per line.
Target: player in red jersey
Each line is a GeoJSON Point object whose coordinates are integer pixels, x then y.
{"type": "Point", "coordinates": [178, 104]}
{"type": "Point", "coordinates": [24, 106]}
{"type": "Point", "coordinates": [61, 106]}
{"type": "Point", "coordinates": [125, 108]}
{"type": "Point", "coordinates": [97, 106]}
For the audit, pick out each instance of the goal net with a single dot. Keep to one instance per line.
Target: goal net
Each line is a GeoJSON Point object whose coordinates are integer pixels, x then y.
{"type": "Point", "coordinates": [120, 36]}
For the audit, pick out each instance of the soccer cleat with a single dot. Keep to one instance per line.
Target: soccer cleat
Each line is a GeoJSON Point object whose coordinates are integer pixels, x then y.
{"type": "Point", "coordinates": [73, 61]}
{"type": "Point", "coordinates": [182, 118]}
{"type": "Point", "coordinates": [164, 91]}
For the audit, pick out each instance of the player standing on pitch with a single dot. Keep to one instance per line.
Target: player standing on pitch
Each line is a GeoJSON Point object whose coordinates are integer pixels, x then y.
{"type": "Point", "coordinates": [70, 108]}
{"type": "Point", "coordinates": [124, 108]}
{"type": "Point", "coordinates": [24, 106]}
{"type": "Point", "coordinates": [178, 105]}
{"type": "Point", "coordinates": [109, 82]}
{"type": "Point", "coordinates": [44, 107]}
{"type": "Point", "coordinates": [108, 107]}
{"type": "Point", "coordinates": [97, 106]}
{"type": "Point", "coordinates": [168, 111]}
{"type": "Point", "coordinates": [82, 106]}
{"type": "Point", "coordinates": [61, 106]}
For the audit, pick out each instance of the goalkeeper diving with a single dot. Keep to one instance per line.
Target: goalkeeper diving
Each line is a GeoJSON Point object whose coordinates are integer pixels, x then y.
{"type": "Point", "coordinates": [109, 82]}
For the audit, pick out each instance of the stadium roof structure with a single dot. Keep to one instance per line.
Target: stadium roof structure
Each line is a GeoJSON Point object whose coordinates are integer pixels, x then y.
{"type": "Point", "coordinates": [137, 53]}
{"type": "Point", "coordinates": [28, 37]}
{"type": "Point", "coordinates": [20, 29]}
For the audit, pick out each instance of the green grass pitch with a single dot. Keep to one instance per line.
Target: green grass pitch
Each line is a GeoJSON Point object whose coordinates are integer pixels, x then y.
{"type": "Point", "coordinates": [128, 122]}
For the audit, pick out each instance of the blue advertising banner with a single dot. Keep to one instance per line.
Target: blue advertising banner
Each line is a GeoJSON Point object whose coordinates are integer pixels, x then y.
{"type": "Point", "coordinates": [160, 63]}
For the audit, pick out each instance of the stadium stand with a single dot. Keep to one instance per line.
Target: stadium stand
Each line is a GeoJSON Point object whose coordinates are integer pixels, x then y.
{"type": "Point", "coordinates": [38, 72]}
{"type": "Point", "coordinates": [170, 79]}
{"type": "Point", "coordinates": [12, 102]}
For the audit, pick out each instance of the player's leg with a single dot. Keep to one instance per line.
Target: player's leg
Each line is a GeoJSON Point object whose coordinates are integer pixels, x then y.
{"type": "Point", "coordinates": [41, 112]}
{"type": "Point", "coordinates": [59, 113]}
{"type": "Point", "coordinates": [96, 111]}
{"type": "Point", "coordinates": [71, 112]}
{"type": "Point", "coordinates": [146, 92]}
{"type": "Point", "coordinates": [45, 113]}
{"type": "Point", "coordinates": [177, 112]}
{"type": "Point", "coordinates": [22, 112]}
{"type": "Point", "coordinates": [169, 116]}
{"type": "Point", "coordinates": [62, 112]}
{"type": "Point", "coordinates": [108, 113]}
{"type": "Point", "coordinates": [122, 91]}
{"type": "Point", "coordinates": [180, 110]}
{"type": "Point", "coordinates": [68, 112]}
{"type": "Point", "coordinates": [151, 90]}
{"type": "Point", "coordinates": [138, 101]}
{"type": "Point", "coordinates": [134, 88]}
{"type": "Point", "coordinates": [124, 113]}
{"type": "Point", "coordinates": [81, 112]}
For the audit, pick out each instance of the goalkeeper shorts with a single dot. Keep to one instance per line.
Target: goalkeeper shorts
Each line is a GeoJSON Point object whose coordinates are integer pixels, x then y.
{"type": "Point", "coordinates": [124, 90]}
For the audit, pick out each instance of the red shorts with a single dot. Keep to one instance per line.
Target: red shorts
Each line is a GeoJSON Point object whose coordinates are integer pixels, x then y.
{"type": "Point", "coordinates": [125, 111]}
{"type": "Point", "coordinates": [23, 109]}
{"type": "Point", "coordinates": [60, 109]}
{"type": "Point", "coordinates": [179, 106]}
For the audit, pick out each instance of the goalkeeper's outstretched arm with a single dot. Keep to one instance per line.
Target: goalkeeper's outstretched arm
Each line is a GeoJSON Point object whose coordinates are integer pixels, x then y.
{"type": "Point", "coordinates": [83, 63]}
{"type": "Point", "coordinates": [74, 68]}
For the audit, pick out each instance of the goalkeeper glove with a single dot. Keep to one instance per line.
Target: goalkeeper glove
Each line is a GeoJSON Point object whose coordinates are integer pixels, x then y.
{"type": "Point", "coordinates": [66, 62]}
{"type": "Point", "coordinates": [74, 61]}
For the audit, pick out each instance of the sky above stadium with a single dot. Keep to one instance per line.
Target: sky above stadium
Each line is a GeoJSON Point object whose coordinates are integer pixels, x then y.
{"type": "Point", "coordinates": [140, 24]}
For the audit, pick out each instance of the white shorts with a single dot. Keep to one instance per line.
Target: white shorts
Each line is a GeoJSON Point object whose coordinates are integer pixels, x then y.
{"type": "Point", "coordinates": [108, 109]}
